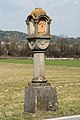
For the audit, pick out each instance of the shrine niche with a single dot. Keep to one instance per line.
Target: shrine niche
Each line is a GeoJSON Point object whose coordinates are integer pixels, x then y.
{"type": "Point", "coordinates": [42, 26]}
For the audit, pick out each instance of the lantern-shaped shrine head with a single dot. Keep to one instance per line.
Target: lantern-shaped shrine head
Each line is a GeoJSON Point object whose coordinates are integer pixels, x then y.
{"type": "Point", "coordinates": [38, 22]}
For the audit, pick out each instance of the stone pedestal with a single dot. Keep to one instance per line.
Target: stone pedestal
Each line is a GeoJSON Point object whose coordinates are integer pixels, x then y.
{"type": "Point", "coordinates": [40, 97]}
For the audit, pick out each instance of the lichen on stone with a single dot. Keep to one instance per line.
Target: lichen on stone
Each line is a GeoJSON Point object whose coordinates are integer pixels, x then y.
{"type": "Point", "coordinates": [37, 12]}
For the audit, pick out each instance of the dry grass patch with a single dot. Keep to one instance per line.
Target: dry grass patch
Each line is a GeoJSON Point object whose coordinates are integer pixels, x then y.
{"type": "Point", "coordinates": [14, 78]}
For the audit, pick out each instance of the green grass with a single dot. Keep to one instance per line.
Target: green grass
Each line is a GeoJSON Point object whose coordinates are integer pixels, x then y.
{"type": "Point", "coordinates": [14, 77]}
{"type": "Point", "coordinates": [69, 63]}
{"type": "Point", "coordinates": [17, 61]}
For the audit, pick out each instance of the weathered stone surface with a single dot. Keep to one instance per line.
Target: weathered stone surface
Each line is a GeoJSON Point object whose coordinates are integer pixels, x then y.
{"type": "Point", "coordinates": [40, 97]}
{"type": "Point", "coordinates": [39, 68]}
{"type": "Point", "coordinates": [39, 42]}
{"type": "Point", "coordinates": [38, 22]}
{"type": "Point", "coordinates": [37, 12]}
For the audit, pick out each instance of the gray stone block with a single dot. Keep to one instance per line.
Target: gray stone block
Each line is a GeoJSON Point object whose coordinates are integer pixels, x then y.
{"type": "Point", "coordinates": [40, 97]}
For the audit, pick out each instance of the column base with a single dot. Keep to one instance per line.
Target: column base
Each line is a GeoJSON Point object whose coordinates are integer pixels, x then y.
{"type": "Point", "coordinates": [40, 97]}
{"type": "Point", "coordinates": [39, 80]}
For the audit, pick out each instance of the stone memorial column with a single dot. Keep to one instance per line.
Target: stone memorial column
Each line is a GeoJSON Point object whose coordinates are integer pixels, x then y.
{"type": "Point", "coordinates": [39, 94]}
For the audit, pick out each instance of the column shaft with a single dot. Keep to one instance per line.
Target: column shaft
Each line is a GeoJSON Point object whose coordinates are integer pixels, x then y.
{"type": "Point", "coordinates": [39, 67]}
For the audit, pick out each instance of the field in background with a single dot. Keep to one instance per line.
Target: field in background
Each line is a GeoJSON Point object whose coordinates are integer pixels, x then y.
{"type": "Point", "coordinates": [15, 75]}
{"type": "Point", "coordinates": [69, 63]}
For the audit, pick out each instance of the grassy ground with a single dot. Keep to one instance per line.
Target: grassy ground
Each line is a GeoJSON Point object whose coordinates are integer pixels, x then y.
{"type": "Point", "coordinates": [14, 77]}
{"type": "Point", "coordinates": [69, 63]}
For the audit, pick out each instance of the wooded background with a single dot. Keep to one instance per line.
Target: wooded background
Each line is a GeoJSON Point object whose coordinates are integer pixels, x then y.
{"type": "Point", "coordinates": [15, 44]}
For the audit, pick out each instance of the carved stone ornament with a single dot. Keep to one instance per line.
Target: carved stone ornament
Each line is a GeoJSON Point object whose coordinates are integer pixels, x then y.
{"type": "Point", "coordinates": [38, 44]}
{"type": "Point", "coordinates": [31, 44]}
{"type": "Point", "coordinates": [43, 44]}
